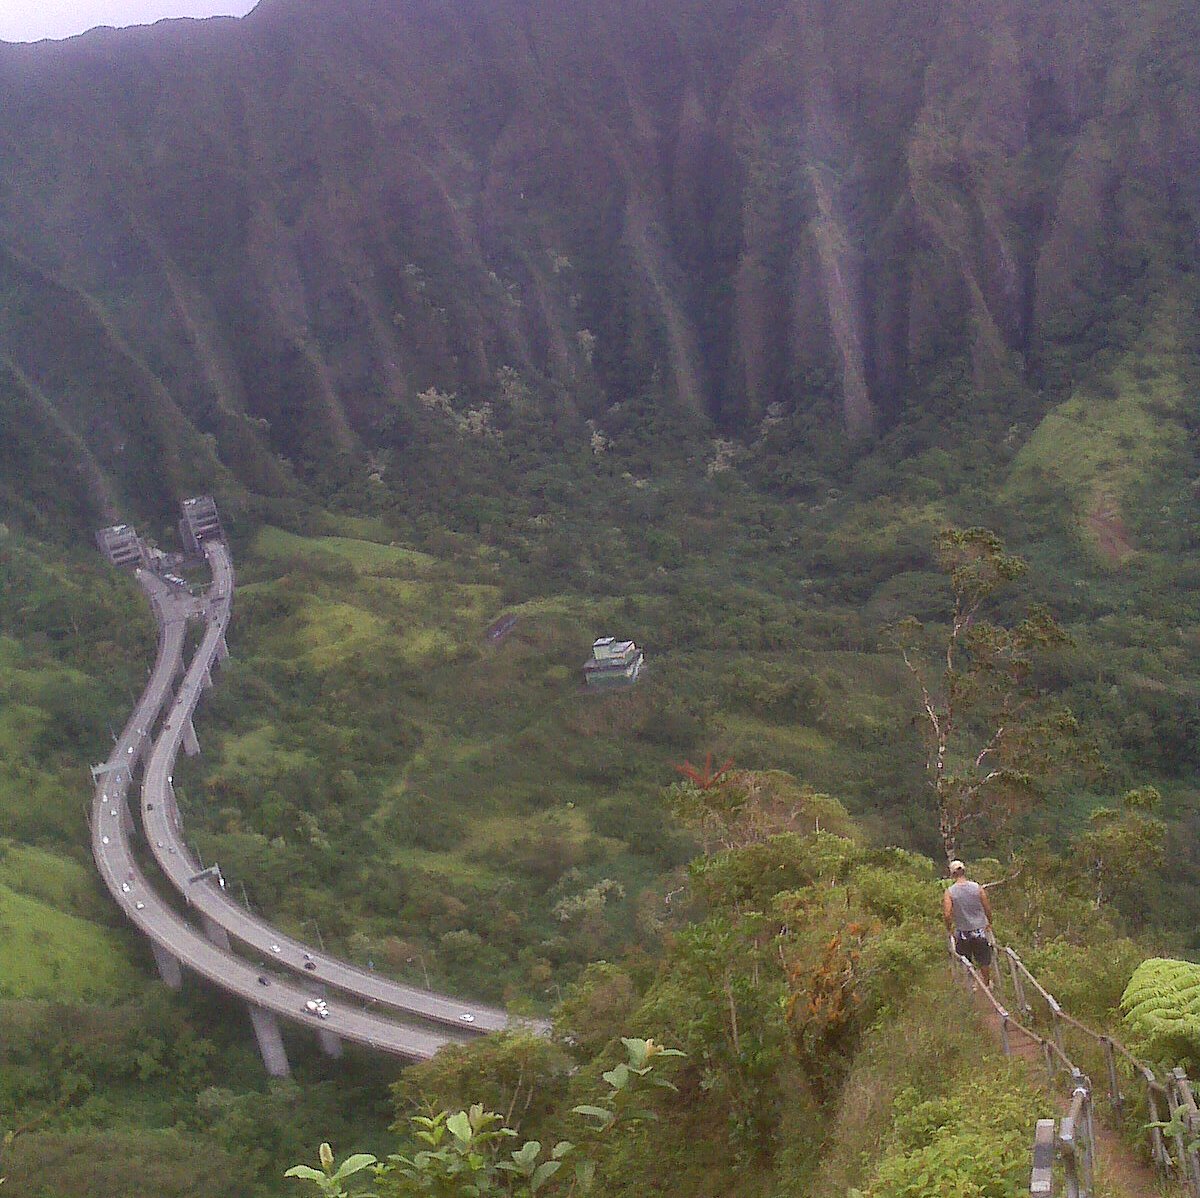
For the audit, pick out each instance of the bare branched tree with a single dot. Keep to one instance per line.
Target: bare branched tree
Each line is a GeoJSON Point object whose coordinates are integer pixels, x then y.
{"type": "Point", "coordinates": [993, 738]}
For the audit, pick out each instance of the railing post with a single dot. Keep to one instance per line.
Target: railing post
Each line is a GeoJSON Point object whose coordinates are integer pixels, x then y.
{"type": "Point", "coordinates": [1048, 1053]}
{"type": "Point", "coordinates": [1173, 1105]}
{"type": "Point", "coordinates": [1066, 1149]}
{"type": "Point", "coordinates": [1083, 1086]}
{"type": "Point", "coordinates": [1158, 1146]}
{"type": "Point", "coordinates": [1017, 983]}
{"type": "Point", "coordinates": [1075, 1139]}
{"type": "Point", "coordinates": [1115, 1098]}
{"type": "Point", "coordinates": [1004, 1033]}
{"type": "Point", "coordinates": [1056, 1025]}
{"type": "Point", "coordinates": [1041, 1180]}
{"type": "Point", "coordinates": [1186, 1101]}
{"type": "Point", "coordinates": [997, 972]}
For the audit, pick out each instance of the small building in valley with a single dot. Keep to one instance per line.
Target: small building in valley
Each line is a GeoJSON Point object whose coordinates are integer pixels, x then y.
{"type": "Point", "coordinates": [612, 663]}
{"type": "Point", "coordinates": [121, 545]}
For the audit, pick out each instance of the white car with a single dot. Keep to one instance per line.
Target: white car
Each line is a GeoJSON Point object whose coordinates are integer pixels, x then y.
{"type": "Point", "coordinates": [317, 1007]}
{"type": "Point", "coordinates": [467, 1017]}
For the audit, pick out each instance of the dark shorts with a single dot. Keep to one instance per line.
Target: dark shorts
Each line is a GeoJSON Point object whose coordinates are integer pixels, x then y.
{"type": "Point", "coordinates": [974, 946]}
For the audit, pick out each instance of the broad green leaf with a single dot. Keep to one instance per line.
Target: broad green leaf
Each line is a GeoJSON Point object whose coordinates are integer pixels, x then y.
{"type": "Point", "coordinates": [602, 1115]}
{"type": "Point", "coordinates": [305, 1171]}
{"type": "Point", "coordinates": [639, 1051]}
{"type": "Point", "coordinates": [354, 1164]}
{"type": "Point", "coordinates": [561, 1149]}
{"type": "Point", "coordinates": [617, 1076]}
{"type": "Point", "coordinates": [542, 1174]}
{"type": "Point", "coordinates": [527, 1154]}
{"type": "Point", "coordinates": [459, 1126]}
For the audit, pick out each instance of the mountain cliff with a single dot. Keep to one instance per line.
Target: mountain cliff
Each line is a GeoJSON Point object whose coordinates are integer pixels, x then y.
{"type": "Point", "coordinates": [235, 250]}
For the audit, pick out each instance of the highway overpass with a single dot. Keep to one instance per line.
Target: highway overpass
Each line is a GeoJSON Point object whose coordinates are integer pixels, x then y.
{"type": "Point", "coordinates": [402, 1020]}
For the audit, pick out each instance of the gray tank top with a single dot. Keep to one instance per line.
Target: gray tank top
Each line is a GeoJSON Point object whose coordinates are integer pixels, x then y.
{"type": "Point", "coordinates": [967, 899]}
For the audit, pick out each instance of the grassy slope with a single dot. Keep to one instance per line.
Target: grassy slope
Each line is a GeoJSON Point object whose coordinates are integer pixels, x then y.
{"type": "Point", "coordinates": [1110, 435]}
{"type": "Point", "coordinates": [50, 954]}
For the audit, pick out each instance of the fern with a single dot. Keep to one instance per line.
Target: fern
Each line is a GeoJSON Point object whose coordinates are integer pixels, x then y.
{"type": "Point", "coordinates": [1162, 1008]}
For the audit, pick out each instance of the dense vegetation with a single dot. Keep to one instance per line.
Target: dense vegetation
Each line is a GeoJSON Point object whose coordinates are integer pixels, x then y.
{"type": "Point", "coordinates": [488, 384]}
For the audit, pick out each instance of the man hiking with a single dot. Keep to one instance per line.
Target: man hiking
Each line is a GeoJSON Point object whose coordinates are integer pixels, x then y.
{"type": "Point", "coordinates": [968, 915]}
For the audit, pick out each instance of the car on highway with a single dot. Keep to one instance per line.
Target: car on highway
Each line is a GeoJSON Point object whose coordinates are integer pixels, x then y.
{"type": "Point", "coordinates": [467, 1017]}
{"type": "Point", "coordinates": [317, 1007]}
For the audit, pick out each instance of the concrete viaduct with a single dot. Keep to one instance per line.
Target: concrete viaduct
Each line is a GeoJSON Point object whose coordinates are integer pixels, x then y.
{"type": "Point", "coordinates": [402, 1020]}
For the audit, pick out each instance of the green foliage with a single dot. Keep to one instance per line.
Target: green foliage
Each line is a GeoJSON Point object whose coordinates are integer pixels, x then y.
{"type": "Point", "coordinates": [928, 1101]}
{"type": "Point", "coordinates": [519, 1074]}
{"type": "Point", "coordinates": [470, 1153]}
{"type": "Point", "coordinates": [121, 1163]}
{"type": "Point", "coordinates": [1089, 977]}
{"type": "Point", "coordinates": [1121, 850]}
{"type": "Point", "coordinates": [329, 1179]}
{"type": "Point", "coordinates": [1162, 1010]}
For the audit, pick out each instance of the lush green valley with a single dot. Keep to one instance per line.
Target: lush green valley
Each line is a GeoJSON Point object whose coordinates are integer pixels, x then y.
{"type": "Point", "coordinates": [693, 325]}
{"type": "Point", "coordinates": [495, 828]}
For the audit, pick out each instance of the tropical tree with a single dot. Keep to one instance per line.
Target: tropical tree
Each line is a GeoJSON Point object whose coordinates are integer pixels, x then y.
{"type": "Point", "coordinates": [992, 736]}
{"type": "Point", "coordinates": [1119, 847]}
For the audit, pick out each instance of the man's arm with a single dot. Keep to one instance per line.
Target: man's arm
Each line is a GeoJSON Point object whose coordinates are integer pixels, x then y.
{"type": "Point", "coordinates": [948, 911]}
{"type": "Point", "coordinates": [987, 906]}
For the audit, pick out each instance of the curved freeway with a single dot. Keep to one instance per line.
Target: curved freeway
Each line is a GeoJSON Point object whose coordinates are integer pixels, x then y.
{"type": "Point", "coordinates": [169, 931]}
{"type": "Point", "coordinates": [163, 827]}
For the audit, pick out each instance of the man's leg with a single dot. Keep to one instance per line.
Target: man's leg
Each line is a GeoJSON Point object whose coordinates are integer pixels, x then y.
{"type": "Point", "coordinates": [985, 964]}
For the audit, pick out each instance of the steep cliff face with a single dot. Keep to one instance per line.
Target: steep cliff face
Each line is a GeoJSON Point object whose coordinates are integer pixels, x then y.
{"type": "Point", "coordinates": [232, 248]}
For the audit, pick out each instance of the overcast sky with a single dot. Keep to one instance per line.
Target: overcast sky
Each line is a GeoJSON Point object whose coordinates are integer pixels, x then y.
{"type": "Point", "coordinates": [32, 20]}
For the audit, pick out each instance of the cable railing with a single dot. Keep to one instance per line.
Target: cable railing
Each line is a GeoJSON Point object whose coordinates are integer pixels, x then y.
{"type": "Point", "coordinates": [1172, 1142]}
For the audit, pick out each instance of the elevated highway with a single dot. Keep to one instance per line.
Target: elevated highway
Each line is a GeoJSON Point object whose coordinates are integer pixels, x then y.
{"type": "Point", "coordinates": [401, 1020]}
{"type": "Point", "coordinates": [164, 834]}
{"type": "Point", "coordinates": [175, 942]}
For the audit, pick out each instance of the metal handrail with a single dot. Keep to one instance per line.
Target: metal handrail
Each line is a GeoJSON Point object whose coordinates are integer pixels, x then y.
{"type": "Point", "coordinates": [1050, 1048]}
{"type": "Point", "coordinates": [1174, 1094]}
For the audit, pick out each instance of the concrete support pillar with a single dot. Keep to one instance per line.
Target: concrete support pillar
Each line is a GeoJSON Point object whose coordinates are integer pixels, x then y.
{"type": "Point", "coordinates": [222, 649]}
{"type": "Point", "coordinates": [191, 742]}
{"type": "Point", "coordinates": [213, 930]}
{"type": "Point", "coordinates": [169, 967]}
{"type": "Point", "coordinates": [270, 1042]}
{"type": "Point", "coordinates": [331, 1044]}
